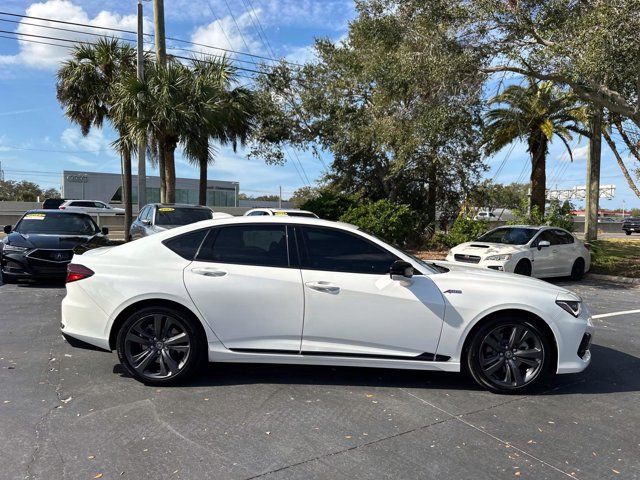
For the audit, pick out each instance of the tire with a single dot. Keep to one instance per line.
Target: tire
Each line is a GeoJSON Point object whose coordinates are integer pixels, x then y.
{"type": "Point", "coordinates": [164, 363]}
{"type": "Point", "coordinates": [503, 365]}
{"type": "Point", "coordinates": [523, 267]}
{"type": "Point", "coordinates": [577, 270]}
{"type": "Point", "coordinates": [627, 232]}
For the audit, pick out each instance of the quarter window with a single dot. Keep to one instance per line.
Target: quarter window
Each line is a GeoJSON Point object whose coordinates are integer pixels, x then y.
{"type": "Point", "coordinates": [186, 245]}
{"type": "Point", "coordinates": [339, 251]}
{"type": "Point", "coordinates": [261, 245]}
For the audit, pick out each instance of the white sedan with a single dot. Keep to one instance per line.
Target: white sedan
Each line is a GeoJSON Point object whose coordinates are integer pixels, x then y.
{"type": "Point", "coordinates": [91, 207]}
{"type": "Point", "coordinates": [307, 291]}
{"type": "Point", "coordinates": [540, 252]}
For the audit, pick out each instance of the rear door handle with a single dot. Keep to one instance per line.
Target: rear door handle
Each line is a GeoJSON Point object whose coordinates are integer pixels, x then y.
{"type": "Point", "coordinates": [323, 287]}
{"type": "Point", "coordinates": [209, 272]}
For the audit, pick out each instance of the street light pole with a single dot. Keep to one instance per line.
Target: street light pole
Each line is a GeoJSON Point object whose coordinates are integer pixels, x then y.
{"type": "Point", "coordinates": [142, 161]}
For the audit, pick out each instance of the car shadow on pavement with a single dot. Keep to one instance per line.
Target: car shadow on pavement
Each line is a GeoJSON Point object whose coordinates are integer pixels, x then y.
{"type": "Point", "coordinates": [610, 371]}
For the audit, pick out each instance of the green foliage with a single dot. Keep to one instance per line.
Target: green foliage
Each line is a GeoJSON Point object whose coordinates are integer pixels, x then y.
{"type": "Point", "coordinates": [302, 195]}
{"type": "Point", "coordinates": [329, 205]}
{"type": "Point", "coordinates": [465, 229]}
{"type": "Point", "coordinates": [395, 223]}
{"type": "Point", "coordinates": [494, 195]}
{"type": "Point", "coordinates": [24, 191]}
{"type": "Point", "coordinates": [556, 215]}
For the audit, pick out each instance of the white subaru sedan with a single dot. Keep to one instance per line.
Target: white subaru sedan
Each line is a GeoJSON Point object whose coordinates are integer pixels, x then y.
{"type": "Point", "coordinates": [540, 252]}
{"type": "Point", "coordinates": [308, 291]}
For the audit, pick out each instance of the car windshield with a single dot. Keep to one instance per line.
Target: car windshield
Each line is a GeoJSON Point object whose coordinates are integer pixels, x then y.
{"type": "Point", "coordinates": [172, 216]}
{"type": "Point", "coordinates": [57, 223]}
{"type": "Point", "coordinates": [509, 235]}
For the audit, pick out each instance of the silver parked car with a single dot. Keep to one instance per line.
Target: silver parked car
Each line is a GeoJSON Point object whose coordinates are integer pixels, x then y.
{"type": "Point", "coordinates": [158, 217]}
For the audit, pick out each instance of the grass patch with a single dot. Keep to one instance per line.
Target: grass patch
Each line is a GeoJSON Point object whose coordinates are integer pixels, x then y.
{"type": "Point", "coordinates": [616, 256]}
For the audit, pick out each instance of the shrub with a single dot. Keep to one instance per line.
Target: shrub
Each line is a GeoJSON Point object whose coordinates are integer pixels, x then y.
{"type": "Point", "coordinates": [329, 205]}
{"type": "Point", "coordinates": [556, 215]}
{"type": "Point", "coordinates": [465, 229]}
{"type": "Point", "coordinates": [395, 223]}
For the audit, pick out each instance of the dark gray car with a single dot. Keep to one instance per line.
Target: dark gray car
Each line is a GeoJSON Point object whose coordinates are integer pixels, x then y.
{"type": "Point", "coordinates": [158, 217]}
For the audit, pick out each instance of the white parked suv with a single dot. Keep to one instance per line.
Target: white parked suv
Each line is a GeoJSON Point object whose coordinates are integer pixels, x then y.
{"type": "Point", "coordinates": [527, 250]}
{"type": "Point", "coordinates": [293, 290]}
{"type": "Point", "coordinates": [90, 206]}
{"type": "Point", "coordinates": [284, 212]}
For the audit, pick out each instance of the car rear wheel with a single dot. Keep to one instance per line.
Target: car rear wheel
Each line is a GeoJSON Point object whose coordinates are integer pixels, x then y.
{"type": "Point", "coordinates": [523, 267]}
{"type": "Point", "coordinates": [509, 355]}
{"type": "Point", "coordinates": [577, 271]}
{"type": "Point", "coordinates": [160, 346]}
{"type": "Point", "coordinates": [627, 232]}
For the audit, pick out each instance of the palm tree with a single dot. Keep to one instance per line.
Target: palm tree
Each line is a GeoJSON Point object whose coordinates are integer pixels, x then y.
{"type": "Point", "coordinates": [164, 102]}
{"type": "Point", "coordinates": [534, 113]}
{"type": "Point", "coordinates": [85, 88]}
{"type": "Point", "coordinates": [226, 114]}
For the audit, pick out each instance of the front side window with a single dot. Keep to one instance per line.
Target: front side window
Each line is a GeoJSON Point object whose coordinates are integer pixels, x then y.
{"type": "Point", "coordinates": [565, 237]}
{"type": "Point", "coordinates": [548, 236]}
{"type": "Point", "coordinates": [261, 245]}
{"type": "Point", "coordinates": [339, 251]}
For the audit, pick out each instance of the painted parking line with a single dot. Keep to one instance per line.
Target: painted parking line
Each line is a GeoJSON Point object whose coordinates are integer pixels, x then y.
{"type": "Point", "coordinates": [615, 314]}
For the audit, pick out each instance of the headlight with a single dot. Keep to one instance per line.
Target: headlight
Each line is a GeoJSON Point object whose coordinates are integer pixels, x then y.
{"type": "Point", "coordinates": [572, 306]}
{"type": "Point", "coordinates": [499, 258]}
{"type": "Point", "coordinates": [14, 248]}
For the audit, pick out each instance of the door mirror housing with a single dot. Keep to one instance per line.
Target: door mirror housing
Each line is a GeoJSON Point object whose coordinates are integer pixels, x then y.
{"type": "Point", "coordinates": [146, 222]}
{"type": "Point", "coordinates": [543, 243]}
{"type": "Point", "coordinates": [401, 268]}
{"type": "Point", "coordinates": [7, 229]}
{"type": "Point", "coordinates": [105, 231]}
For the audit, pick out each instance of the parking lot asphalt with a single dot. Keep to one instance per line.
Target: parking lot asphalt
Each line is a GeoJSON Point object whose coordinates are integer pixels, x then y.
{"type": "Point", "coordinates": [73, 414]}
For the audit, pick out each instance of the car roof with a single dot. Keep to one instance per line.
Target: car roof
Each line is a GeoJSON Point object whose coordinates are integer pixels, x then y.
{"type": "Point", "coordinates": [272, 219]}
{"type": "Point", "coordinates": [50, 211]}
{"type": "Point", "coordinates": [177, 205]}
{"type": "Point", "coordinates": [281, 209]}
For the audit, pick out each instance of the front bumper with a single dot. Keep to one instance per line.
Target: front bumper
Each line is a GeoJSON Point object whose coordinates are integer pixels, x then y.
{"type": "Point", "coordinates": [497, 265]}
{"type": "Point", "coordinates": [19, 266]}
{"type": "Point", "coordinates": [574, 342]}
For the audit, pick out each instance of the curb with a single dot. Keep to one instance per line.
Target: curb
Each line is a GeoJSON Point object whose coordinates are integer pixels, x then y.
{"type": "Point", "coordinates": [614, 278]}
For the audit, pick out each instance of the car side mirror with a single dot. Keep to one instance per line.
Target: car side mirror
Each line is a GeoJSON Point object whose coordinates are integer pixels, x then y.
{"type": "Point", "coordinates": [146, 222]}
{"type": "Point", "coordinates": [7, 229]}
{"type": "Point", "coordinates": [543, 243]}
{"type": "Point", "coordinates": [105, 231]}
{"type": "Point", "coordinates": [401, 268]}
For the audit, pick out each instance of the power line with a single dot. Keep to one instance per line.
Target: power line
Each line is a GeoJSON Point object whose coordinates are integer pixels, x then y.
{"type": "Point", "coordinates": [131, 32]}
{"type": "Point", "coordinates": [237, 26]}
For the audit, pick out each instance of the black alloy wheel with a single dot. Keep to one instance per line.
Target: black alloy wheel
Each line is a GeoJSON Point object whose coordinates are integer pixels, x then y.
{"type": "Point", "coordinates": [159, 346]}
{"type": "Point", "coordinates": [509, 356]}
{"type": "Point", "coordinates": [577, 270]}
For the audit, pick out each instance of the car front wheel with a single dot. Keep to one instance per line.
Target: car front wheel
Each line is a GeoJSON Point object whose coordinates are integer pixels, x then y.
{"type": "Point", "coordinates": [523, 267]}
{"type": "Point", "coordinates": [509, 355]}
{"type": "Point", "coordinates": [160, 346]}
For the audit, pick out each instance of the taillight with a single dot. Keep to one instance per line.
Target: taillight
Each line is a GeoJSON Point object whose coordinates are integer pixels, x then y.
{"type": "Point", "coordinates": [61, 207]}
{"type": "Point", "coordinates": [77, 272]}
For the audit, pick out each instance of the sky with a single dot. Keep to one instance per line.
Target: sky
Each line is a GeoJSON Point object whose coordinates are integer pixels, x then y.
{"type": "Point", "coordinates": [37, 142]}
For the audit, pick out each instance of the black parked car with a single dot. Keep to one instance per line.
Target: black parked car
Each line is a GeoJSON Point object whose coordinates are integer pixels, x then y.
{"type": "Point", "coordinates": [631, 224]}
{"type": "Point", "coordinates": [41, 244]}
{"type": "Point", "coordinates": [158, 217]}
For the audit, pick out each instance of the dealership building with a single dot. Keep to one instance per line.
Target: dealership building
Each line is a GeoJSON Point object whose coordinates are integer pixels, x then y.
{"type": "Point", "coordinates": [107, 187]}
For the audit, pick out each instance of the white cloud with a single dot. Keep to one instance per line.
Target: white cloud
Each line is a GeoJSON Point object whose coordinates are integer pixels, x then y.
{"type": "Point", "coordinates": [579, 154]}
{"type": "Point", "coordinates": [94, 142]}
{"type": "Point", "coordinates": [224, 33]}
{"type": "Point", "coordinates": [42, 56]}
{"type": "Point", "coordinates": [80, 162]}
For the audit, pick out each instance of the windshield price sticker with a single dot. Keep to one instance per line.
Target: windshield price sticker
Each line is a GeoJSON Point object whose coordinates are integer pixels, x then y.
{"type": "Point", "coordinates": [281, 214]}
{"type": "Point", "coordinates": [34, 216]}
{"type": "Point", "coordinates": [166, 209]}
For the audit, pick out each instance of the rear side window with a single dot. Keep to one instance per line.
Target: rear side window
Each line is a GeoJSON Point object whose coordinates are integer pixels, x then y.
{"type": "Point", "coordinates": [260, 245]}
{"type": "Point", "coordinates": [339, 251]}
{"type": "Point", "coordinates": [186, 245]}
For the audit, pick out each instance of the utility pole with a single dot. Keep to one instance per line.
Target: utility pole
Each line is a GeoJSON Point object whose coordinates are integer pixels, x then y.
{"type": "Point", "coordinates": [142, 161]}
{"type": "Point", "coordinates": [280, 198]}
{"type": "Point", "coordinates": [158, 21]}
{"type": "Point", "coordinates": [1, 172]}
{"type": "Point", "coordinates": [593, 177]}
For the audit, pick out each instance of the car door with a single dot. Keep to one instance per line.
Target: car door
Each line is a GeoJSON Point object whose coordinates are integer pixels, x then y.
{"type": "Point", "coordinates": [545, 259]}
{"type": "Point", "coordinates": [244, 285]}
{"type": "Point", "coordinates": [567, 251]}
{"type": "Point", "coordinates": [353, 307]}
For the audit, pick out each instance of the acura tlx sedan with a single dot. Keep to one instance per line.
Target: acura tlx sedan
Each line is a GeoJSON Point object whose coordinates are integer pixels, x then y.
{"type": "Point", "coordinates": [307, 291]}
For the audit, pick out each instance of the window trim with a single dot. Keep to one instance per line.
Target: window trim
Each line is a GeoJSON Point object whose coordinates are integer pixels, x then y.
{"type": "Point", "coordinates": [216, 230]}
{"type": "Point", "coordinates": [302, 242]}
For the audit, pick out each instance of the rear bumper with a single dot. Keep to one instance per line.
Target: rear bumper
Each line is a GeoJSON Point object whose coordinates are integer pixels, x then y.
{"type": "Point", "coordinates": [83, 320]}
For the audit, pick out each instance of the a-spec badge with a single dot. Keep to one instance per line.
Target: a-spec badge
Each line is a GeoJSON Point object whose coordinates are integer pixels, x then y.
{"type": "Point", "coordinates": [453, 291]}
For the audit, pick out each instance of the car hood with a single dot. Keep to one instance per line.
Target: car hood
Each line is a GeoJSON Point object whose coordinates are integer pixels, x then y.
{"type": "Point", "coordinates": [47, 241]}
{"type": "Point", "coordinates": [468, 275]}
{"type": "Point", "coordinates": [487, 248]}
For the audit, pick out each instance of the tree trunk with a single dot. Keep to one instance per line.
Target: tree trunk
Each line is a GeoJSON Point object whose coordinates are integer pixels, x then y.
{"type": "Point", "coordinates": [591, 204]}
{"type": "Point", "coordinates": [170, 174]}
{"type": "Point", "coordinates": [538, 148]}
{"type": "Point", "coordinates": [432, 196]}
{"type": "Point", "coordinates": [202, 196]}
{"type": "Point", "coordinates": [623, 167]}
{"type": "Point", "coordinates": [161, 167]}
{"type": "Point", "coordinates": [126, 193]}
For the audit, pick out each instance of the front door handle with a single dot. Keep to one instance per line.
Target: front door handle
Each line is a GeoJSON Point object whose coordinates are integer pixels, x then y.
{"type": "Point", "coordinates": [323, 287]}
{"type": "Point", "coordinates": [209, 272]}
